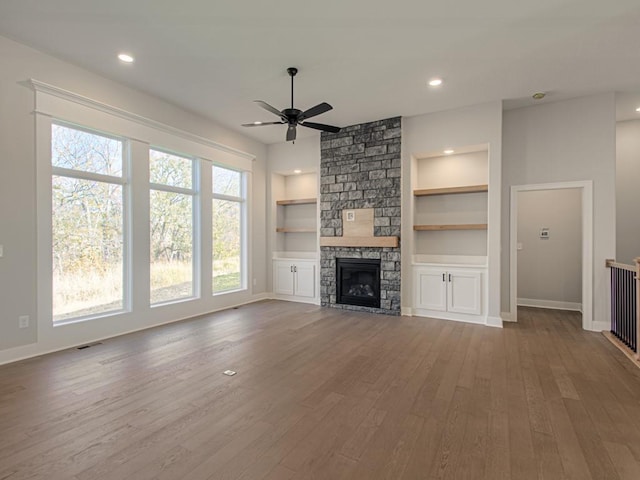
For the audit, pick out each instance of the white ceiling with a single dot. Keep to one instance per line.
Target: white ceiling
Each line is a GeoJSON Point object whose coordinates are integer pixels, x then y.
{"type": "Point", "coordinates": [370, 59]}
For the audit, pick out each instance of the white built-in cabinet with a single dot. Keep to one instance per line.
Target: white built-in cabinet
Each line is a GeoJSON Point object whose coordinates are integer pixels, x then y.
{"type": "Point", "coordinates": [295, 279]}
{"type": "Point", "coordinates": [450, 196]}
{"type": "Point", "coordinates": [294, 228]}
{"type": "Point", "coordinates": [448, 289]}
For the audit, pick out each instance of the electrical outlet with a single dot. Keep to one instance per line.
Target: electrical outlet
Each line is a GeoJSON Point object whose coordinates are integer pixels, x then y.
{"type": "Point", "coordinates": [23, 321]}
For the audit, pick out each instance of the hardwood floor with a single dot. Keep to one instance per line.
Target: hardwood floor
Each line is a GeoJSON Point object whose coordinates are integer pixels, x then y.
{"type": "Point", "coordinates": [327, 394]}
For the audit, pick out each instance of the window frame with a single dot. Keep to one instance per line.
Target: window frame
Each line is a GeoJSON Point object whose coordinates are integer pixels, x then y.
{"type": "Point", "coordinates": [243, 202]}
{"type": "Point", "coordinates": [125, 182]}
{"type": "Point", "coordinates": [194, 192]}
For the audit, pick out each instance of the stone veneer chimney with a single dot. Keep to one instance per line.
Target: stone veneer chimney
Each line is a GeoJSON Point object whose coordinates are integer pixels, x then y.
{"type": "Point", "coordinates": [360, 168]}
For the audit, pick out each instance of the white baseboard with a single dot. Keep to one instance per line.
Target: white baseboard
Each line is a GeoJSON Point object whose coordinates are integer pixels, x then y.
{"type": "Point", "coordinates": [600, 327]}
{"type": "Point", "coordinates": [290, 298]}
{"type": "Point", "coordinates": [494, 322]}
{"type": "Point", "coordinates": [406, 311]}
{"type": "Point", "coordinates": [507, 317]}
{"type": "Point", "coordinates": [258, 297]}
{"type": "Point", "coordinates": [552, 304]}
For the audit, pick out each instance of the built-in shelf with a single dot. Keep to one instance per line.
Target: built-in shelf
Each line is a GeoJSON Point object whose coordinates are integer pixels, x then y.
{"type": "Point", "coordinates": [451, 190]}
{"type": "Point", "coordinates": [463, 226]}
{"type": "Point", "coordinates": [359, 242]}
{"type": "Point", "coordinates": [299, 201]}
{"type": "Point", "coordinates": [295, 230]}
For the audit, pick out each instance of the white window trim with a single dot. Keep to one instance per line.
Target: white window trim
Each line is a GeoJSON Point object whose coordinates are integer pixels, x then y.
{"type": "Point", "coordinates": [196, 224]}
{"type": "Point", "coordinates": [124, 182]}
{"type": "Point", "coordinates": [244, 229]}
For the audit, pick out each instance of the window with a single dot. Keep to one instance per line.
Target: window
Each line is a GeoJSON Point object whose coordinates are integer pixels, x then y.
{"type": "Point", "coordinates": [228, 230]}
{"type": "Point", "coordinates": [172, 199]}
{"type": "Point", "coordinates": [89, 195]}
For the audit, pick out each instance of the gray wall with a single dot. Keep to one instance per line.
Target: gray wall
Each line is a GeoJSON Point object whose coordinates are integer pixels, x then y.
{"type": "Point", "coordinates": [627, 191]}
{"type": "Point", "coordinates": [18, 229]}
{"type": "Point", "coordinates": [550, 269]}
{"type": "Point", "coordinates": [558, 142]}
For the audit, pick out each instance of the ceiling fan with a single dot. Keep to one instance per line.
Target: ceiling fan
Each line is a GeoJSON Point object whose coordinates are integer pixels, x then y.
{"type": "Point", "coordinates": [294, 117]}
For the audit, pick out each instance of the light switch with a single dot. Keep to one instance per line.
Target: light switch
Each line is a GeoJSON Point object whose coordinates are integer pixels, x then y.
{"type": "Point", "coordinates": [519, 246]}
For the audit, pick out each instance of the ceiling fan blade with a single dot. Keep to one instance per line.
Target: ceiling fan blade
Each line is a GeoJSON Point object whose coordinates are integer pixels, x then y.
{"type": "Point", "coordinates": [291, 132]}
{"type": "Point", "coordinates": [269, 108]}
{"type": "Point", "coordinates": [260, 124]}
{"type": "Point", "coordinates": [313, 111]}
{"type": "Point", "coordinates": [321, 126]}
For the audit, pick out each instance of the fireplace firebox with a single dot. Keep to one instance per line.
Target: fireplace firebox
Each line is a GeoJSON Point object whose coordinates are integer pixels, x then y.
{"type": "Point", "coordinates": [358, 282]}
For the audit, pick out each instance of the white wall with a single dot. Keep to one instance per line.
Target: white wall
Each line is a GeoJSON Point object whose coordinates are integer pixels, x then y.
{"type": "Point", "coordinates": [18, 229]}
{"type": "Point", "coordinates": [425, 134]}
{"type": "Point", "coordinates": [559, 142]}
{"type": "Point", "coordinates": [550, 268]}
{"type": "Point", "coordinates": [455, 170]}
{"type": "Point", "coordinates": [627, 191]}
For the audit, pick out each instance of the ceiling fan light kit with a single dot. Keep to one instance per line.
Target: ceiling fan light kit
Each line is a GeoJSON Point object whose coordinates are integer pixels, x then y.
{"type": "Point", "coordinates": [292, 117]}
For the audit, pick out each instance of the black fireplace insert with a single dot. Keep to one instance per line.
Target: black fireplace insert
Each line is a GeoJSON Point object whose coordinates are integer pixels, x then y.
{"type": "Point", "coordinates": [358, 282]}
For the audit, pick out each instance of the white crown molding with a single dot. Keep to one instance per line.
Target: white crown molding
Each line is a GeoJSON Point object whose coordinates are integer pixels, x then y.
{"type": "Point", "coordinates": [38, 86]}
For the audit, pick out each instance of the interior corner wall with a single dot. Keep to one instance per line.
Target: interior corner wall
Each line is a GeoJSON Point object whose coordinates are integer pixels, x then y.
{"type": "Point", "coordinates": [572, 140]}
{"type": "Point", "coordinates": [18, 229]}
{"type": "Point", "coordinates": [427, 134]}
{"type": "Point", "coordinates": [627, 191]}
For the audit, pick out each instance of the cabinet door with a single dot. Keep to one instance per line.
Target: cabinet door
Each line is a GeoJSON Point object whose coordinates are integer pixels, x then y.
{"type": "Point", "coordinates": [463, 292]}
{"type": "Point", "coordinates": [431, 289]}
{"type": "Point", "coordinates": [305, 279]}
{"type": "Point", "coordinates": [283, 278]}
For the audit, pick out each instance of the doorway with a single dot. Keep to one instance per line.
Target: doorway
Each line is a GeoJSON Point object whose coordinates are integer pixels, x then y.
{"type": "Point", "coordinates": [547, 227]}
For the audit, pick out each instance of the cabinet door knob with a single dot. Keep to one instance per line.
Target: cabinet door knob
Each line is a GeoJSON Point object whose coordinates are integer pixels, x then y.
{"type": "Point", "coordinates": [443, 277]}
{"type": "Point", "coordinates": [291, 268]}
{"type": "Point", "coordinates": [449, 277]}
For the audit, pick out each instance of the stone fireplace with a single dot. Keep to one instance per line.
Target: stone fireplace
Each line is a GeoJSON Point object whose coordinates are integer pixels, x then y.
{"type": "Point", "coordinates": [360, 174]}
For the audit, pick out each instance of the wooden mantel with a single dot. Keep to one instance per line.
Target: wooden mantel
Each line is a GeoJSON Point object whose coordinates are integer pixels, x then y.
{"type": "Point", "coordinates": [357, 225]}
{"type": "Point", "coordinates": [359, 241]}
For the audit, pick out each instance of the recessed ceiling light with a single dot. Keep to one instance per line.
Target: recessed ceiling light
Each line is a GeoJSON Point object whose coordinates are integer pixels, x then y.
{"type": "Point", "coordinates": [448, 151]}
{"type": "Point", "coordinates": [125, 57]}
{"type": "Point", "coordinates": [435, 82]}
{"type": "Point", "coordinates": [297, 171]}
{"type": "Point", "coordinates": [638, 109]}
{"type": "Point", "coordinates": [257, 123]}
{"type": "Point", "coordinates": [538, 95]}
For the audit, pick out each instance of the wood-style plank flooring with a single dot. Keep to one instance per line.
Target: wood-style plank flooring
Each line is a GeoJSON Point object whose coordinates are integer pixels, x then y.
{"type": "Point", "coordinates": [327, 394]}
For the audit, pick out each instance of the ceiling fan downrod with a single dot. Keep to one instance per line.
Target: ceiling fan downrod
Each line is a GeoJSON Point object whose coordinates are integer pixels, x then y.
{"type": "Point", "coordinates": [292, 73]}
